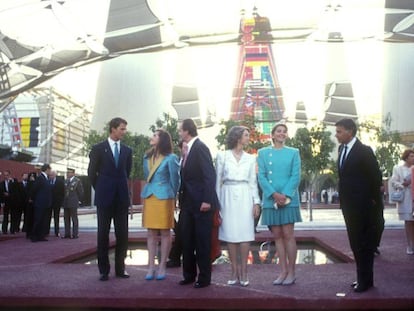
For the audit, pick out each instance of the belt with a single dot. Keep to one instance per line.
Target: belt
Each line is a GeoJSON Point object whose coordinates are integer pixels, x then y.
{"type": "Point", "coordinates": [234, 182]}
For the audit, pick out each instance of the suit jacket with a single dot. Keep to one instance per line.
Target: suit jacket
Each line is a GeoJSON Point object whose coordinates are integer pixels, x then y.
{"type": "Point", "coordinates": [163, 179]}
{"type": "Point", "coordinates": [58, 192]}
{"type": "Point", "coordinates": [73, 192]}
{"type": "Point", "coordinates": [279, 171]}
{"type": "Point", "coordinates": [110, 182]}
{"type": "Point", "coordinates": [12, 199]}
{"type": "Point", "coordinates": [198, 177]}
{"type": "Point", "coordinates": [41, 193]}
{"type": "Point", "coordinates": [360, 178]}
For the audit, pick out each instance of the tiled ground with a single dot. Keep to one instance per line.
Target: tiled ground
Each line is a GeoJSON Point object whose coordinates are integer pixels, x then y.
{"type": "Point", "coordinates": [32, 277]}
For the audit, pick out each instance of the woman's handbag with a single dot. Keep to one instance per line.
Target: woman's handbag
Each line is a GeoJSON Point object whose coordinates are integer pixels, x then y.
{"type": "Point", "coordinates": [216, 218]}
{"type": "Point", "coordinates": [397, 195]}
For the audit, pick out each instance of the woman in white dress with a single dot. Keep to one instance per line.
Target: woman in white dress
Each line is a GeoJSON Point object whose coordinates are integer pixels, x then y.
{"type": "Point", "coordinates": [401, 179]}
{"type": "Point", "coordinates": [239, 199]}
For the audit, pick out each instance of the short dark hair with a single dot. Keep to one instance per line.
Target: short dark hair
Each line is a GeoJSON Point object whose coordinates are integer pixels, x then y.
{"type": "Point", "coordinates": [234, 134]}
{"type": "Point", "coordinates": [406, 154]}
{"type": "Point", "coordinates": [348, 124]}
{"type": "Point", "coordinates": [115, 122]}
{"type": "Point", "coordinates": [190, 126]}
{"type": "Point", "coordinates": [45, 167]}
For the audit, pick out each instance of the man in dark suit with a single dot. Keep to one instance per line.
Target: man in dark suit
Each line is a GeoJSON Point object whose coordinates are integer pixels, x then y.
{"type": "Point", "coordinates": [58, 192]}
{"type": "Point", "coordinates": [198, 199]}
{"type": "Point", "coordinates": [73, 195]}
{"type": "Point", "coordinates": [41, 195]}
{"type": "Point", "coordinates": [109, 168]}
{"type": "Point", "coordinates": [360, 200]}
{"type": "Point", "coordinates": [9, 188]}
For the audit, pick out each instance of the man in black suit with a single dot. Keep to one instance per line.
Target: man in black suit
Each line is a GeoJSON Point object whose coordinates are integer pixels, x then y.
{"type": "Point", "coordinates": [360, 200]}
{"type": "Point", "coordinates": [109, 168]}
{"type": "Point", "coordinates": [198, 199]}
{"type": "Point", "coordinates": [9, 188]}
{"type": "Point", "coordinates": [41, 195]}
{"type": "Point", "coordinates": [58, 192]}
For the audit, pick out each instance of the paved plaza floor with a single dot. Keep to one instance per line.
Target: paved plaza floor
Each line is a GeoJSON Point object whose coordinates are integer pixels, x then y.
{"type": "Point", "coordinates": [42, 276]}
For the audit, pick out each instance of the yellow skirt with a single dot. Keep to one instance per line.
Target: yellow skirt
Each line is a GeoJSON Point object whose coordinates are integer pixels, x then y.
{"type": "Point", "coordinates": [158, 214]}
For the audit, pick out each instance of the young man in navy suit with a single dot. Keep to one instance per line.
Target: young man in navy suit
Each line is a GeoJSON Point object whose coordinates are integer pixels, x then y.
{"type": "Point", "coordinates": [41, 196]}
{"type": "Point", "coordinates": [109, 168]}
{"type": "Point", "coordinates": [360, 199]}
{"type": "Point", "coordinates": [198, 199]}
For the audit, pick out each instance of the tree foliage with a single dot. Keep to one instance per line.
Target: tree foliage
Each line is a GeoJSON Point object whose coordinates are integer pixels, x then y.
{"type": "Point", "coordinates": [169, 124]}
{"type": "Point", "coordinates": [388, 150]}
{"type": "Point", "coordinates": [257, 139]}
{"type": "Point", "coordinates": [315, 147]}
{"type": "Point", "coordinates": [138, 143]}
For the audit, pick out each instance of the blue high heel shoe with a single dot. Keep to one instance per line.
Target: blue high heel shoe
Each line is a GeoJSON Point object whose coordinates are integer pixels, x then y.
{"type": "Point", "coordinates": [160, 277]}
{"type": "Point", "coordinates": [150, 276]}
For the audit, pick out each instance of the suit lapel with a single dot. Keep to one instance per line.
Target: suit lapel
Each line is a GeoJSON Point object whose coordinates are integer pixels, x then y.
{"type": "Point", "coordinates": [153, 166]}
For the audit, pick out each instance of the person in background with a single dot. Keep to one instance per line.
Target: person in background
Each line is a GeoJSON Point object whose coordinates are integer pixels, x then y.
{"type": "Point", "coordinates": [41, 196]}
{"type": "Point", "coordinates": [198, 200]}
{"type": "Point", "coordinates": [239, 201]}
{"type": "Point", "coordinates": [360, 199]}
{"type": "Point", "coordinates": [58, 192]}
{"type": "Point", "coordinates": [9, 197]}
{"type": "Point", "coordinates": [29, 212]}
{"type": "Point", "coordinates": [73, 195]}
{"type": "Point", "coordinates": [174, 258]}
{"type": "Point", "coordinates": [108, 171]}
{"type": "Point", "coordinates": [401, 179]}
{"type": "Point", "coordinates": [161, 171]}
{"type": "Point", "coordinates": [279, 178]}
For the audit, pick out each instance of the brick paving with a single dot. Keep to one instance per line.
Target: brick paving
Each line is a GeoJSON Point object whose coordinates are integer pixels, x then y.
{"type": "Point", "coordinates": [36, 276]}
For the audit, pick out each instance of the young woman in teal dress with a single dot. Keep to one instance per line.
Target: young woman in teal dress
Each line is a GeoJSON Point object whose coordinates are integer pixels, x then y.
{"type": "Point", "coordinates": [279, 178]}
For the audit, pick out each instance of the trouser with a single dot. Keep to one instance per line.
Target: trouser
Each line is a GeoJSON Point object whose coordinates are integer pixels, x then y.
{"type": "Point", "coordinates": [70, 215]}
{"type": "Point", "coordinates": [54, 213]}
{"type": "Point", "coordinates": [361, 225]}
{"type": "Point", "coordinates": [120, 216]}
{"type": "Point", "coordinates": [196, 238]}
{"type": "Point", "coordinates": [6, 216]}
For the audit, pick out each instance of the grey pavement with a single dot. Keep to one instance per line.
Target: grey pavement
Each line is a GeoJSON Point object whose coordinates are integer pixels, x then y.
{"type": "Point", "coordinates": [324, 217]}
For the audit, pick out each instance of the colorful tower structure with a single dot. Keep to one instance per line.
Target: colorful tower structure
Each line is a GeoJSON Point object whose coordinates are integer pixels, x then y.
{"type": "Point", "coordinates": [257, 92]}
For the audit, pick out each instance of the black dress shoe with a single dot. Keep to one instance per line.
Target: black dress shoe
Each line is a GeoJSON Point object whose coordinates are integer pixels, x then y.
{"type": "Point", "coordinates": [360, 288]}
{"type": "Point", "coordinates": [173, 264]}
{"type": "Point", "coordinates": [123, 275]}
{"type": "Point", "coordinates": [104, 277]}
{"type": "Point", "coordinates": [186, 281]}
{"type": "Point", "coordinates": [200, 285]}
{"type": "Point", "coordinates": [66, 237]}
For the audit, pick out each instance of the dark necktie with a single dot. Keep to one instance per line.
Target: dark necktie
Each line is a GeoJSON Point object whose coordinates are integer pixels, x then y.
{"type": "Point", "coordinates": [343, 157]}
{"type": "Point", "coordinates": [116, 154]}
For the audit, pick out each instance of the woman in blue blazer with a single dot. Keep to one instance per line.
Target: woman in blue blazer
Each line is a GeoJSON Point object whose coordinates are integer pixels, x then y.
{"type": "Point", "coordinates": [279, 178]}
{"type": "Point", "coordinates": [161, 170]}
